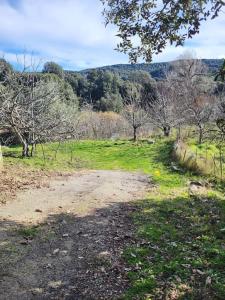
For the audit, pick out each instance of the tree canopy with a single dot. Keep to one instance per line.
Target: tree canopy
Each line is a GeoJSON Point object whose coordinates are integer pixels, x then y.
{"type": "Point", "coordinates": [5, 69]}
{"type": "Point", "coordinates": [146, 26]}
{"type": "Point", "coordinates": [221, 73]}
{"type": "Point", "coordinates": [52, 67]}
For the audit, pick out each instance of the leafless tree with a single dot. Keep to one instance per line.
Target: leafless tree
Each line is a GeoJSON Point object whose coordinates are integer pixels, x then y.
{"type": "Point", "coordinates": [219, 133]}
{"type": "Point", "coordinates": [163, 106]}
{"type": "Point", "coordinates": [189, 68]}
{"type": "Point", "coordinates": [195, 92]}
{"type": "Point", "coordinates": [133, 110]}
{"type": "Point", "coordinates": [30, 106]}
{"type": "Point", "coordinates": [201, 113]}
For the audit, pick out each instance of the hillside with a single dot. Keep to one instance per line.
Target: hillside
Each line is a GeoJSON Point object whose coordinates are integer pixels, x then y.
{"type": "Point", "coordinates": [156, 70]}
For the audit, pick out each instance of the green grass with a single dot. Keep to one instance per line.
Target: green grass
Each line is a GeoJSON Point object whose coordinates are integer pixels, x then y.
{"type": "Point", "coordinates": [205, 159]}
{"type": "Point", "coordinates": [28, 232]}
{"type": "Point", "coordinates": [180, 249]}
{"type": "Point", "coordinates": [206, 149]}
{"type": "Point", "coordinates": [124, 155]}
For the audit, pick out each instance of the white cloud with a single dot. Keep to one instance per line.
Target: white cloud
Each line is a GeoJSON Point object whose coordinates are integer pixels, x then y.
{"type": "Point", "coordinates": [209, 43]}
{"type": "Point", "coordinates": [72, 33]}
{"type": "Point", "coordinates": [61, 30]}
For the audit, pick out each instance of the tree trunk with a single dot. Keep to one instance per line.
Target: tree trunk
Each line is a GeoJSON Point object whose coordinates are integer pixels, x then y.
{"type": "Point", "coordinates": [200, 137]}
{"type": "Point", "coordinates": [25, 151]}
{"type": "Point", "coordinates": [166, 130]}
{"type": "Point", "coordinates": [23, 141]}
{"type": "Point", "coordinates": [33, 148]}
{"type": "Point", "coordinates": [179, 133]}
{"type": "Point", "coordinates": [135, 134]}
{"type": "Point", "coordinates": [1, 158]}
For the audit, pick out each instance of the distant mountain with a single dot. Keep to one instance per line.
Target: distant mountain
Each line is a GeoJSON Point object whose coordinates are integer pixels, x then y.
{"type": "Point", "coordinates": [157, 70]}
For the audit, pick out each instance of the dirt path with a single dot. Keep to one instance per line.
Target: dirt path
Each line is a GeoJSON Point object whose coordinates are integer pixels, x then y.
{"type": "Point", "coordinates": [77, 250]}
{"type": "Point", "coordinates": [79, 194]}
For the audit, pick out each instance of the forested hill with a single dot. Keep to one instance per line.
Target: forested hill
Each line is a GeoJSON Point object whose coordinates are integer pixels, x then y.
{"type": "Point", "coordinates": [106, 88]}
{"type": "Point", "coordinates": [157, 70]}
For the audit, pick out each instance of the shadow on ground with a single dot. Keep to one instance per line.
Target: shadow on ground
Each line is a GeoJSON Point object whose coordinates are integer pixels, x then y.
{"type": "Point", "coordinates": [68, 257]}
{"type": "Point", "coordinates": [179, 253]}
{"type": "Point", "coordinates": [182, 251]}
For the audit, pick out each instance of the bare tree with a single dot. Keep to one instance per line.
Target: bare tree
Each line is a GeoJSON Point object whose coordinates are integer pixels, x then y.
{"type": "Point", "coordinates": [220, 111]}
{"type": "Point", "coordinates": [30, 106]}
{"type": "Point", "coordinates": [133, 110]}
{"type": "Point", "coordinates": [163, 107]}
{"type": "Point", "coordinates": [188, 68]}
{"type": "Point", "coordinates": [24, 106]}
{"type": "Point", "coordinates": [195, 89]}
{"type": "Point", "coordinates": [200, 112]}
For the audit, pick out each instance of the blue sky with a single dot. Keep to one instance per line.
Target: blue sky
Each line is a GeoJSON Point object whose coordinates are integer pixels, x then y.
{"type": "Point", "coordinates": [72, 33]}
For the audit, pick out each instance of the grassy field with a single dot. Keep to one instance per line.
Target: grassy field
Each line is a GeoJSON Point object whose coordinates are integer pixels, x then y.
{"type": "Point", "coordinates": [180, 250]}
{"type": "Point", "coordinates": [125, 155]}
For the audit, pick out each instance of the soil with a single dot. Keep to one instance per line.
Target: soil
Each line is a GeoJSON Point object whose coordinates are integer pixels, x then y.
{"type": "Point", "coordinates": [14, 179]}
{"type": "Point", "coordinates": [66, 240]}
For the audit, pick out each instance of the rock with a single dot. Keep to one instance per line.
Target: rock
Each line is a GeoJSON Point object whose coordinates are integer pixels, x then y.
{"type": "Point", "coordinates": [56, 251]}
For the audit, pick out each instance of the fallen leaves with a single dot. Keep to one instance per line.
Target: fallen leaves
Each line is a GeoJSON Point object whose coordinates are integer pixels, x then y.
{"type": "Point", "coordinates": [16, 178]}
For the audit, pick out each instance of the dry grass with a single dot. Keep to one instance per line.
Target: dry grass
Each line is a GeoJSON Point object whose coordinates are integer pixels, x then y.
{"type": "Point", "coordinates": [206, 163]}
